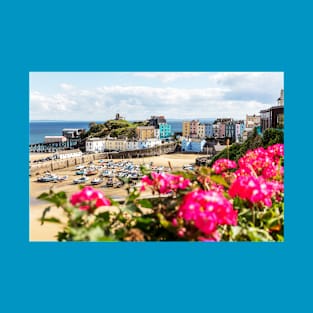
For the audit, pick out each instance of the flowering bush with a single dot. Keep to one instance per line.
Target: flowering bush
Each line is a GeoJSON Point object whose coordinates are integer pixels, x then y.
{"type": "Point", "coordinates": [223, 165]}
{"type": "Point", "coordinates": [89, 199]}
{"type": "Point", "coordinates": [229, 202]}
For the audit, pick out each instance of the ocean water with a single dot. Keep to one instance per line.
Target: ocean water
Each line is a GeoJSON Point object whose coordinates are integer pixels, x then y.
{"type": "Point", "coordinates": [39, 129]}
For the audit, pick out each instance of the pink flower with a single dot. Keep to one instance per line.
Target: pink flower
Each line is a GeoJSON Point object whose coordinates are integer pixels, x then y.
{"type": "Point", "coordinates": [89, 198]}
{"type": "Point", "coordinates": [262, 162]}
{"type": "Point", "coordinates": [206, 210]}
{"type": "Point", "coordinates": [164, 183]}
{"type": "Point", "coordinates": [276, 151]}
{"type": "Point", "coordinates": [212, 238]}
{"type": "Point", "coordinates": [254, 189]}
{"type": "Point", "coordinates": [222, 165]}
{"type": "Point", "coordinates": [175, 222]}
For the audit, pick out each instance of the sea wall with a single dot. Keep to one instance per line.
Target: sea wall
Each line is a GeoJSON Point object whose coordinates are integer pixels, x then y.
{"type": "Point", "coordinates": [50, 166]}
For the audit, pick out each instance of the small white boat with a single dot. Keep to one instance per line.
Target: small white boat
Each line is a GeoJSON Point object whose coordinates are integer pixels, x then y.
{"type": "Point", "coordinates": [48, 177]}
{"type": "Point", "coordinates": [81, 180]}
{"type": "Point", "coordinates": [81, 172]}
{"type": "Point", "coordinates": [96, 181]}
{"type": "Point", "coordinates": [118, 184]}
{"type": "Point", "coordinates": [109, 183]}
{"type": "Point", "coordinates": [62, 178]}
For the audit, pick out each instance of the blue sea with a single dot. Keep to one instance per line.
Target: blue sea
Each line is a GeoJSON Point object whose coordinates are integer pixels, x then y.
{"type": "Point", "coordinates": [39, 129]}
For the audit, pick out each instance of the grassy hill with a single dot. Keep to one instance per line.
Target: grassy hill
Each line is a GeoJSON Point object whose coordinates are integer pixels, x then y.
{"type": "Point", "coordinates": [114, 128]}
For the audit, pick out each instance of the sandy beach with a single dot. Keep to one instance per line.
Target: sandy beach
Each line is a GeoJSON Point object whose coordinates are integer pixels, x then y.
{"type": "Point", "coordinates": [48, 231]}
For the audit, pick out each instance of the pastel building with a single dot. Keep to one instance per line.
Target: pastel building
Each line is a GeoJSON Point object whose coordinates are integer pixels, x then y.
{"type": "Point", "coordinates": [201, 131]}
{"type": "Point", "coordinates": [157, 133]}
{"type": "Point", "coordinates": [239, 129]}
{"type": "Point", "coordinates": [230, 130]}
{"type": "Point", "coordinates": [253, 120]}
{"type": "Point", "coordinates": [95, 145]}
{"type": "Point", "coordinates": [208, 130]}
{"type": "Point", "coordinates": [145, 132]}
{"type": "Point", "coordinates": [222, 130]}
{"type": "Point", "coordinates": [216, 130]}
{"type": "Point", "coordinates": [110, 144]}
{"type": "Point", "coordinates": [149, 143]}
{"type": "Point", "coordinates": [115, 144]}
{"type": "Point", "coordinates": [165, 130]}
{"type": "Point", "coordinates": [186, 129]}
{"type": "Point", "coordinates": [194, 124]}
{"type": "Point", "coordinates": [131, 145]}
{"type": "Point", "coordinates": [192, 145]}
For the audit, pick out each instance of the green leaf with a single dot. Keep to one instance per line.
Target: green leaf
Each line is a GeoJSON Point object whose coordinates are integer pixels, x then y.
{"type": "Point", "coordinates": [46, 210]}
{"type": "Point", "coordinates": [131, 207]}
{"type": "Point", "coordinates": [120, 233]}
{"type": "Point", "coordinates": [63, 236]}
{"type": "Point", "coordinates": [58, 199]}
{"type": "Point", "coordinates": [114, 202]}
{"type": "Point", "coordinates": [77, 215]}
{"type": "Point", "coordinates": [105, 216]}
{"type": "Point", "coordinates": [144, 220]}
{"type": "Point", "coordinates": [145, 203]}
{"type": "Point", "coordinates": [133, 196]}
{"type": "Point", "coordinates": [95, 234]}
{"type": "Point", "coordinates": [163, 221]}
{"type": "Point", "coordinates": [50, 220]}
{"type": "Point", "coordinates": [144, 170]}
{"type": "Point", "coordinates": [219, 180]}
{"type": "Point", "coordinates": [256, 234]}
{"type": "Point", "coordinates": [204, 171]}
{"type": "Point", "coordinates": [280, 238]}
{"type": "Point", "coordinates": [107, 239]}
{"type": "Point", "coordinates": [235, 231]}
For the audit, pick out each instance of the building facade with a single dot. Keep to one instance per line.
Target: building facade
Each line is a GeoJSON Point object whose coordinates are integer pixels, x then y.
{"type": "Point", "coordinates": [208, 130]}
{"type": "Point", "coordinates": [165, 130]}
{"type": "Point", "coordinates": [66, 154]}
{"type": "Point", "coordinates": [71, 133]}
{"type": "Point", "coordinates": [222, 130]}
{"type": "Point", "coordinates": [194, 124]}
{"type": "Point", "coordinates": [192, 145]}
{"type": "Point", "coordinates": [98, 145]}
{"type": "Point", "coordinates": [186, 129]}
{"type": "Point", "coordinates": [253, 121]}
{"type": "Point", "coordinates": [95, 145]}
{"type": "Point", "coordinates": [230, 130]}
{"type": "Point", "coordinates": [273, 117]}
{"type": "Point", "coordinates": [50, 139]}
{"type": "Point", "coordinates": [201, 131]}
{"type": "Point", "coordinates": [145, 132]}
{"type": "Point", "coordinates": [280, 100]}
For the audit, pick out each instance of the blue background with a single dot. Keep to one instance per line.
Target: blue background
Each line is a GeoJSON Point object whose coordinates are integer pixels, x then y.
{"type": "Point", "coordinates": [155, 36]}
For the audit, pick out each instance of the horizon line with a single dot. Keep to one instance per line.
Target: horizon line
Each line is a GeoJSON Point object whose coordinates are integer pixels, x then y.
{"type": "Point", "coordinates": [173, 119]}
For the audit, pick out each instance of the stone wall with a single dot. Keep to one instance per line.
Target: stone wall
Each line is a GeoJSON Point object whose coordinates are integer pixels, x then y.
{"type": "Point", "coordinates": [60, 164]}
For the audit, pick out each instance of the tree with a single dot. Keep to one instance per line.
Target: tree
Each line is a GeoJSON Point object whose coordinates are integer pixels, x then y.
{"type": "Point", "coordinates": [92, 124]}
{"type": "Point", "coordinates": [272, 136]}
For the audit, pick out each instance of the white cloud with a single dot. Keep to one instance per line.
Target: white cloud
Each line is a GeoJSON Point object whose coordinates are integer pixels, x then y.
{"type": "Point", "coordinates": [257, 86]}
{"type": "Point", "coordinates": [66, 86]}
{"type": "Point", "coordinates": [166, 77]}
{"type": "Point", "coordinates": [225, 95]}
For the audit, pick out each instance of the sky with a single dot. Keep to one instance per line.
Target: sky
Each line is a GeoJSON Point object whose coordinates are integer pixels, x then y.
{"type": "Point", "coordinates": [98, 96]}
